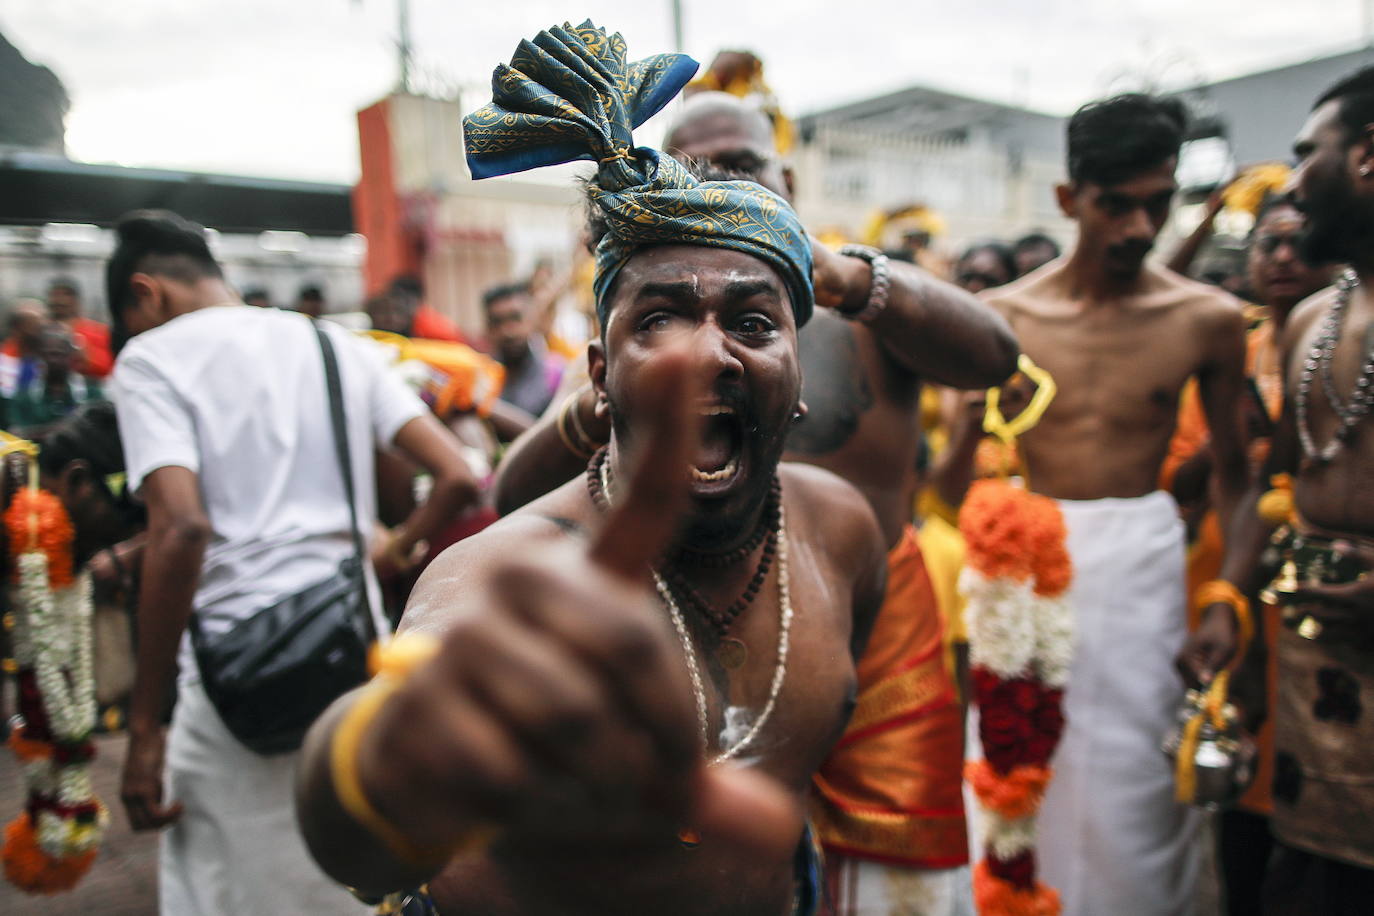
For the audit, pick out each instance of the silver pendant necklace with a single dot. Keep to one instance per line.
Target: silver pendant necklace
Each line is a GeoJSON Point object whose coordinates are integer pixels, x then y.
{"type": "Point", "coordinates": [1319, 360]}
{"type": "Point", "coordinates": [689, 649]}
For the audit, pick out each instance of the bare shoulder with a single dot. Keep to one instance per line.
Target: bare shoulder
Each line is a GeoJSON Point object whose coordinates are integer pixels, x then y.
{"type": "Point", "coordinates": [1201, 301]}
{"type": "Point", "coordinates": [1305, 314]}
{"type": "Point", "coordinates": [838, 516]}
{"type": "Point", "coordinates": [452, 585]}
{"type": "Point", "coordinates": [1031, 293]}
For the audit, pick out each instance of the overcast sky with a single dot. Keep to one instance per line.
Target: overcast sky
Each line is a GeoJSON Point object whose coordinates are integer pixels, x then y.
{"type": "Point", "coordinates": [270, 87]}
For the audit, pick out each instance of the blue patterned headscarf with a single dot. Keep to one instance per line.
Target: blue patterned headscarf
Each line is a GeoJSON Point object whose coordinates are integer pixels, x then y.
{"type": "Point", "coordinates": [569, 94]}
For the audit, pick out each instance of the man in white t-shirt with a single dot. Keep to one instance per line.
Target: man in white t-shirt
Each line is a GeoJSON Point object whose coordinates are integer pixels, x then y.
{"type": "Point", "coordinates": [224, 414]}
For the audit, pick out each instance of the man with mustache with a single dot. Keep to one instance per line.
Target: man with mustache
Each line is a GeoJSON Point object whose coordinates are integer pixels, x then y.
{"type": "Point", "coordinates": [1121, 337]}
{"type": "Point", "coordinates": [640, 671]}
{"type": "Point", "coordinates": [1323, 815]}
{"type": "Point", "coordinates": [887, 806]}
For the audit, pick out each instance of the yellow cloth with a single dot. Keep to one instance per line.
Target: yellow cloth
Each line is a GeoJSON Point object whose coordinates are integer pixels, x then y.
{"type": "Point", "coordinates": [942, 546]}
{"type": "Point", "coordinates": [462, 380]}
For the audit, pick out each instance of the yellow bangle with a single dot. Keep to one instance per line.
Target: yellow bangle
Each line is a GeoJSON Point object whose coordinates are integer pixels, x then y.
{"type": "Point", "coordinates": [395, 662]}
{"type": "Point", "coordinates": [1219, 591]}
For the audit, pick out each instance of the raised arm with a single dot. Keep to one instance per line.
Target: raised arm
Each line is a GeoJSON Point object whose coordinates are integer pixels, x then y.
{"type": "Point", "coordinates": [542, 459]}
{"type": "Point", "coordinates": [1186, 252]}
{"type": "Point", "coordinates": [929, 327]}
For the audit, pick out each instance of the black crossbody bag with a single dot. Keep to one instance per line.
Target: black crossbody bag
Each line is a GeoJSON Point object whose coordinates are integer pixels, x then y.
{"type": "Point", "coordinates": [273, 673]}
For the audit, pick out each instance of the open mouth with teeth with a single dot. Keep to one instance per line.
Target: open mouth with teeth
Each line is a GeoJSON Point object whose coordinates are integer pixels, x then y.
{"type": "Point", "coordinates": [717, 459]}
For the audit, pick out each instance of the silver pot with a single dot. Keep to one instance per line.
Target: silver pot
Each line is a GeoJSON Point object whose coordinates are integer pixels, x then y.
{"type": "Point", "coordinates": [1224, 759]}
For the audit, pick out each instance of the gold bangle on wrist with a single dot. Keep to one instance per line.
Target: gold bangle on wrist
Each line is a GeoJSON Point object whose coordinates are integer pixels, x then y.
{"type": "Point", "coordinates": [591, 442]}
{"type": "Point", "coordinates": [395, 662]}
{"type": "Point", "coordinates": [574, 440]}
{"type": "Point", "coordinates": [1219, 591]}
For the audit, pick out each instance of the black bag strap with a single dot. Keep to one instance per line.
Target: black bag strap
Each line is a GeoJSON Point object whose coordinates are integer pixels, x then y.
{"type": "Point", "coordinates": [339, 425]}
{"type": "Point", "coordinates": [338, 422]}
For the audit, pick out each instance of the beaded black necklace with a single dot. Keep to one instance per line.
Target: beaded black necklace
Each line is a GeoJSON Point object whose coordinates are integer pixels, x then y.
{"type": "Point", "coordinates": [766, 534]}
{"type": "Point", "coordinates": [1319, 360]}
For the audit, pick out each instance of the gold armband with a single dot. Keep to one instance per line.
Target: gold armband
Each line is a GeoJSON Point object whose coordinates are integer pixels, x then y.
{"type": "Point", "coordinates": [570, 428]}
{"type": "Point", "coordinates": [1219, 591]}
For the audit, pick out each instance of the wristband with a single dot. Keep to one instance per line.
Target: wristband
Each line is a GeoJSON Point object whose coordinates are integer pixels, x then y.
{"type": "Point", "coordinates": [877, 290]}
{"type": "Point", "coordinates": [575, 439]}
{"type": "Point", "coordinates": [1219, 591]}
{"type": "Point", "coordinates": [394, 663]}
{"type": "Point", "coordinates": [591, 442]}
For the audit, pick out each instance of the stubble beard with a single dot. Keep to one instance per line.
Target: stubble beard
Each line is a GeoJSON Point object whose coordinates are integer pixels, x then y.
{"type": "Point", "coordinates": [1340, 227]}
{"type": "Point", "coordinates": [715, 530]}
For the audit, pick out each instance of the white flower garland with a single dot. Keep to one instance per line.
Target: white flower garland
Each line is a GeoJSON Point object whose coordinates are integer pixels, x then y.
{"type": "Point", "coordinates": [1001, 623]}
{"type": "Point", "coordinates": [52, 636]}
{"type": "Point", "coordinates": [1054, 640]}
{"type": "Point", "coordinates": [1008, 837]}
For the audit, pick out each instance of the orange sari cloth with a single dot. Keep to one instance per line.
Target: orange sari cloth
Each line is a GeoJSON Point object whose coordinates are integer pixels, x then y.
{"type": "Point", "coordinates": [890, 790]}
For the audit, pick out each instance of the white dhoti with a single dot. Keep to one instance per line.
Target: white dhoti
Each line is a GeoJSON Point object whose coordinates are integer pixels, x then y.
{"type": "Point", "coordinates": [861, 887]}
{"type": "Point", "coordinates": [1112, 838]}
{"type": "Point", "coordinates": [236, 849]}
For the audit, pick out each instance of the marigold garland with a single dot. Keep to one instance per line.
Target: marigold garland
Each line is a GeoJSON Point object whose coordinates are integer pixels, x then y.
{"type": "Point", "coordinates": [993, 894]}
{"type": "Point", "coordinates": [36, 521]}
{"type": "Point", "coordinates": [31, 869]}
{"type": "Point", "coordinates": [1021, 646]}
{"type": "Point", "coordinates": [54, 840]}
{"type": "Point", "coordinates": [1013, 795]}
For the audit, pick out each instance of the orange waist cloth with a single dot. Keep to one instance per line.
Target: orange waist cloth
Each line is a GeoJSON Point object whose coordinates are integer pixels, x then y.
{"type": "Point", "coordinates": [891, 788]}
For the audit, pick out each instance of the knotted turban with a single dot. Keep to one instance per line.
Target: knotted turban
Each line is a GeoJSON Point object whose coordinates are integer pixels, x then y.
{"type": "Point", "coordinates": [569, 94]}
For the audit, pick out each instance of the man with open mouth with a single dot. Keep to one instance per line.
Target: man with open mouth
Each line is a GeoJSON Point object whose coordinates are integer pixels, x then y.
{"type": "Point", "coordinates": [613, 700]}
{"type": "Point", "coordinates": [887, 804]}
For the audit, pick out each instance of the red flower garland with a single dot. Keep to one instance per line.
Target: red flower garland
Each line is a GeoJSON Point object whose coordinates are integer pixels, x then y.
{"type": "Point", "coordinates": [1019, 567]}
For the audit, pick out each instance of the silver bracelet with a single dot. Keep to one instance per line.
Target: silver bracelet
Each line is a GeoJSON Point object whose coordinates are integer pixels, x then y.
{"type": "Point", "coordinates": [877, 290]}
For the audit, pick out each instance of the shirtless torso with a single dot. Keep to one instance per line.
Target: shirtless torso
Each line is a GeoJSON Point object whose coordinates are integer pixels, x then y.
{"type": "Point", "coordinates": [835, 564]}
{"type": "Point", "coordinates": [1120, 367]}
{"type": "Point", "coordinates": [1337, 496]}
{"type": "Point", "coordinates": [863, 421]}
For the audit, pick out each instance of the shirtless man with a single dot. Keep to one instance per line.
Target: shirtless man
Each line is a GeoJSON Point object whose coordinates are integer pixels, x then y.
{"type": "Point", "coordinates": [891, 800]}
{"type": "Point", "coordinates": [562, 708]}
{"type": "Point", "coordinates": [1323, 818]}
{"type": "Point", "coordinates": [1121, 337]}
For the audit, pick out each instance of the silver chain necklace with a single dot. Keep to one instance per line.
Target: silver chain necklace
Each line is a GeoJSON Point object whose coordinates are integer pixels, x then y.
{"type": "Point", "coordinates": [689, 649]}
{"type": "Point", "coordinates": [1319, 359]}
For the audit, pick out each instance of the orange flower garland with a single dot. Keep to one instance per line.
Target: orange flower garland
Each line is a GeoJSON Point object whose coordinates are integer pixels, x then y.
{"type": "Point", "coordinates": [37, 521]}
{"type": "Point", "coordinates": [991, 894]}
{"type": "Point", "coordinates": [26, 749]}
{"type": "Point", "coordinates": [1015, 794]}
{"type": "Point", "coordinates": [999, 529]}
{"type": "Point", "coordinates": [31, 869]}
{"type": "Point", "coordinates": [55, 839]}
{"type": "Point", "coordinates": [1020, 643]}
